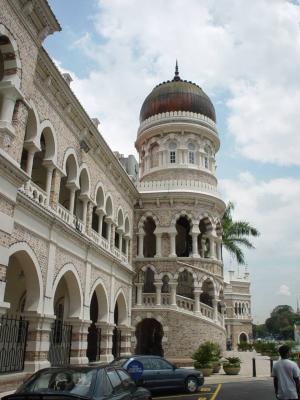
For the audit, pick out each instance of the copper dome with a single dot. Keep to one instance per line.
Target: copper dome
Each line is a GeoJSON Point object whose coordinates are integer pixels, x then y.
{"type": "Point", "coordinates": [177, 95]}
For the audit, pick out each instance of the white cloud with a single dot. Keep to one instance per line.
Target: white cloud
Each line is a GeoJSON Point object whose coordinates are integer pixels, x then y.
{"type": "Point", "coordinates": [250, 50]}
{"type": "Point", "coordinates": [284, 290]}
{"type": "Point", "coordinates": [272, 207]}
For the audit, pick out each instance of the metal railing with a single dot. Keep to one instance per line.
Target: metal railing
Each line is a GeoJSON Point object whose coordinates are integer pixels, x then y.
{"type": "Point", "coordinates": [13, 338]}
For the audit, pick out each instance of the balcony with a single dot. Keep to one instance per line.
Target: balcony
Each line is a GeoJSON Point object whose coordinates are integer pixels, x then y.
{"type": "Point", "coordinates": [35, 193]}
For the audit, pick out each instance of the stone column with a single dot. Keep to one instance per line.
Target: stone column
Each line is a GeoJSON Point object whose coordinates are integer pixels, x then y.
{"type": "Point", "coordinates": [38, 341]}
{"type": "Point", "coordinates": [9, 97]}
{"type": "Point", "coordinates": [125, 340]}
{"type": "Point", "coordinates": [72, 199]}
{"type": "Point", "coordinates": [197, 294]}
{"type": "Point", "coordinates": [89, 217]}
{"type": "Point", "coordinates": [172, 244]}
{"type": "Point", "coordinates": [49, 182]}
{"type": "Point", "coordinates": [84, 212]}
{"type": "Point", "coordinates": [55, 187]}
{"type": "Point", "coordinates": [109, 233]}
{"type": "Point", "coordinates": [215, 307]}
{"type": "Point", "coordinates": [158, 244]}
{"type": "Point", "coordinates": [106, 342]}
{"type": "Point", "coordinates": [212, 247]}
{"type": "Point", "coordinates": [139, 297]}
{"type": "Point", "coordinates": [100, 212]}
{"type": "Point", "coordinates": [141, 244]}
{"type": "Point", "coordinates": [219, 252]}
{"type": "Point", "coordinates": [127, 247]}
{"type": "Point", "coordinates": [195, 245]}
{"type": "Point", "coordinates": [158, 286]}
{"type": "Point", "coordinates": [173, 286]}
{"type": "Point", "coordinates": [120, 232]}
{"type": "Point", "coordinates": [31, 152]}
{"type": "Point", "coordinates": [79, 341]}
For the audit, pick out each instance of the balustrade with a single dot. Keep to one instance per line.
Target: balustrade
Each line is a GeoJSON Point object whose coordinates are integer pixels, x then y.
{"type": "Point", "coordinates": [35, 193]}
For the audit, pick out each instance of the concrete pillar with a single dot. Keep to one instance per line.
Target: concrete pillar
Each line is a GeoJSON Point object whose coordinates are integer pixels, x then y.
{"type": "Point", "coordinates": [195, 245]}
{"type": "Point", "coordinates": [141, 244]}
{"type": "Point", "coordinates": [215, 307]}
{"type": "Point", "coordinates": [30, 156]}
{"type": "Point", "coordinates": [158, 286]}
{"type": "Point", "coordinates": [79, 341]}
{"type": "Point", "coordinates": [173, 286]}
{"type": "Point", "coordinates": [106, 342]}
{"type": "Point", "coordinates": [158, 244]}
{"type": "Point", "coordinates": [120, 240]}
{"type": "Point", "coordinates": [127, 247]}
{"type": "Point", "coordinates": [212, 247]}
{"type": "Point", "coordinates": [8, 106]}
{"type": "Point", "coordinates": [125, 341]}
{"type": "Point", "coordinates": [49, 182]}
{"type": "Point", "coordinates": [139, 297]}
{"type": "Point", "coordinates": [84, 211]}
{"type": "Point", "coordinates": [172, 244]}
{"type": "Point", "coordinates": [38, 341]}
{"type": "Point", "coordinates": [55, 187]}
{"type": "Point", "coordinates": [109, 229]}
{"type": "Point", "coordinates": [197, 293]}
{"type": "Point", "coordinates": [72, 199]}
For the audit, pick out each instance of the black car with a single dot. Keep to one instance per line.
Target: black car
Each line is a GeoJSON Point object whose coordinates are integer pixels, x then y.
{"type": "Point", "coordinates": [160, 374]}
{"type": "Point", "coordinates": [80, 383]}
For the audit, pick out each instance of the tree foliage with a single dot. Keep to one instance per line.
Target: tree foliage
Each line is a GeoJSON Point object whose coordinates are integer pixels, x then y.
{"type": "Point", "coordinates": [236, 234]}
{"type": "Point", "coordinates": [279, 325]}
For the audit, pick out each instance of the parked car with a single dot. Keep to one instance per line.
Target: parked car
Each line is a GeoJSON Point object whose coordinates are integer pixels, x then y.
{"type": "Point", "coordinates": [160, 374]}
{"type": "Point", "coordinates": [77, 382]}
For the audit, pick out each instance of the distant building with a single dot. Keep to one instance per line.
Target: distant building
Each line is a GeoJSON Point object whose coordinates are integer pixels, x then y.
{"type": "Point", "coordinates": [237, 298]}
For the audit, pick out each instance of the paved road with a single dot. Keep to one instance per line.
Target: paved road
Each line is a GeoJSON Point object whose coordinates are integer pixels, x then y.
{"type": "Point", "coordinates": [259, 390]}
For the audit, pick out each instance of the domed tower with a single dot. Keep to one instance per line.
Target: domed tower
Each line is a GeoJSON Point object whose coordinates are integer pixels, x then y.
{"type": "Point", "coordinates": [178, 301]}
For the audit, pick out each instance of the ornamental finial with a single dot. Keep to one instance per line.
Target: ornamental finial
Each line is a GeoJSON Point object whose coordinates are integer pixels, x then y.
{"type": "Point", "coordinates": [176, 77]}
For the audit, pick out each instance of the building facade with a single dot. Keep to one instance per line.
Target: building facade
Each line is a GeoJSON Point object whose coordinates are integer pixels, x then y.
{"type": "Point", "coordinates": [237, 298]}
{"type": "Point", "coordinates": [95, 261]}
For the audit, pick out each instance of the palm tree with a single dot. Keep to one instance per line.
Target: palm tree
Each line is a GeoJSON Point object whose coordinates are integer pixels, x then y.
{"type": "Point", "coordinates": [236, 234]}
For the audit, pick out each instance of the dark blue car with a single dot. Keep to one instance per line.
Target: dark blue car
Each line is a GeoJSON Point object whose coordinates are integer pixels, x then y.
{"type": "Point", "coordinates": [160, 374]}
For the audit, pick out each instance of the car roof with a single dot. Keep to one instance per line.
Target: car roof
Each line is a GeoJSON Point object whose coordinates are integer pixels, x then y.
{"type": "Point", "coordinates": [76, 367]}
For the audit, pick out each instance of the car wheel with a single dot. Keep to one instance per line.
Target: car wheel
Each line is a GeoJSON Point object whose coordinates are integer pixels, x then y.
{"type": "Point", "coordinates": [191, 384]}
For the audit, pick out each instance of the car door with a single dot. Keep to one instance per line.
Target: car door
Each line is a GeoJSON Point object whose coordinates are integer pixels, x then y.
{"type": "Point", "coordinates": [149, 375]}
{"type": "Point", "coordinates": [165, 376]}
{"type": "Point", "coordinates": [119, 391]}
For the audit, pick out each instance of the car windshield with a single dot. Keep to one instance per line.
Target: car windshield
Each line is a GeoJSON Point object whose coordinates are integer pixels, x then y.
{"type": "Point", "coordinates": [77, 382]}
{"type": "Point", "coordinates": [119, 362]}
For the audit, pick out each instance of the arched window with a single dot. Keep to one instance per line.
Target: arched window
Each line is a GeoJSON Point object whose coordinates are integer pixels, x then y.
{"type": "Point", "coordinates": [207, 294]}
{"type": "Point", "coordinates": [149, 281]}
{"type": "Point", "coordinates": [183, 238]}
{"type": "Point", "coordinates": [191, 153]}
{"type": "Point", "coordinates": [172, 152]}
{"type": "Point", "coordinates": [149, 239]}
{"type": "Point", "coordinates": [185, 284]}
{"type": "Point", "coordinates": [154, 155]}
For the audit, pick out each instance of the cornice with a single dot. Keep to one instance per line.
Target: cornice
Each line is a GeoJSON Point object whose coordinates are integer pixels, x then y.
{"type": "Point", "coordinates": [86, 129]}
{"type": "Point", "coordinates": [42, 12]}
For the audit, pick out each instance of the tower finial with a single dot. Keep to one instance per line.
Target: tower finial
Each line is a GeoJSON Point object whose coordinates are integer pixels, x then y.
{"type": "Point", "coordinates": [176, 76]}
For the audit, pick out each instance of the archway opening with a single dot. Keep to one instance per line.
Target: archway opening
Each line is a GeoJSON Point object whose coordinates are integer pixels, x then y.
{"type": "Point", "coordinates": [205, 228]}
{"type": "Point", "coordinates": [22, 289]}
{"type": "Point", "coordinates": [149, 281]}
{"type": "Point", "coordinates": [149, 239]}
{"type": "Point", "coordinates": [183, 238]}
{"type": "Point", "coordinates": [207, 294]}
{"type": "Point", "coordinates": [93, 337]}
{"type": "Point", "coordinates": [39, 172]}
{"type": "Point", "coordinates": [185, 285]}
{"type": "Point", "coordinates": [243, 338]}
{"type": "Point", "coordinates": [68, 183]}
{"type": "Point", "coordinates": [149, 333]}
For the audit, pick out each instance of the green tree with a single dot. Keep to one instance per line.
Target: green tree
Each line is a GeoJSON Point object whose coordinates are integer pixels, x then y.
{"type": "Point", "coordinates": [281, 322]}
{"type": "Point", "coordinates": [236, 234]}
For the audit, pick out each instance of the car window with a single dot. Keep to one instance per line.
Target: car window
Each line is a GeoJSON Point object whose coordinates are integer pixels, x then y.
{"type": "Point", "coordinates": [78, 382]}
{"type": "Point", "coordinates": [158, 363]}
{"type": "Point", "coordinates": [114, 378]}
{"type": "Point", "coordinates": [123, 375]}
{"type": "Point", "coordinates": [119, 362]}
{"type": "Point", "coordinates": [146, 363]}
{"type": "Point", "coordinates": [103, 386]}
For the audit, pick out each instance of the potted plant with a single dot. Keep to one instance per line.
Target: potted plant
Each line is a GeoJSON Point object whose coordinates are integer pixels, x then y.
{"type": "Point", "coordinates": [232, 365]}
{"type": "Point", "coordinates": [216, 357]}
{"type": "Point", "coordinates": [203, 357]}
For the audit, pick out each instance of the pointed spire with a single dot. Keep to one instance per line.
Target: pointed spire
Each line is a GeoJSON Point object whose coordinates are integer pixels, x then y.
{"type": "Point", "coordinates": [176, 76]}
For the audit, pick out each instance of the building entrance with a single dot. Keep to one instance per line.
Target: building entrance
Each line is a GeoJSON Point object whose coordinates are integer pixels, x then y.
{"type": "Point", "coordinates": [149, 333]}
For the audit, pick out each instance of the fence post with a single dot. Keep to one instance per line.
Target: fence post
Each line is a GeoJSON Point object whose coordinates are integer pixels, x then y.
{"type": "Point", "coordinates": [253, 367]}
{"type": "Point", "coordinates": [271, 365]}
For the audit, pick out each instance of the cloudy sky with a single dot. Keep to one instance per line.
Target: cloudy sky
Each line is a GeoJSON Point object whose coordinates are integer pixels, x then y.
{"type": "Point", "coordinates": [246, 57]}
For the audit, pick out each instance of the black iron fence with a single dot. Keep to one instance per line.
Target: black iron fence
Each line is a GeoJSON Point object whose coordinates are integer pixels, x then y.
{"type": "Point", "coordinates": [13, 338]}
{"type": "Point", "coordinates": [116, 343]}
{"type": "Point", "coordinates": [60, 344]}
